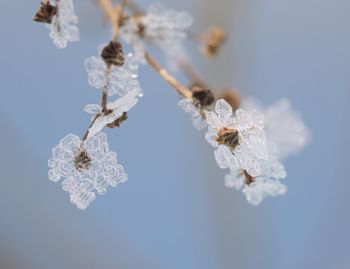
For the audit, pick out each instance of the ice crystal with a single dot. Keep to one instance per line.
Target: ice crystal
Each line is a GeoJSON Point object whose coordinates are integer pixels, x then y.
{"type": "Point", "coordinates": [251, 150]}
{"type": "Point", "coordinates": [255, 188]}
{"type": "Point", "coordinates": [120, 81]}
{"type": "Point", "coordinates": [63, 27]}
{"type": "Point", "coordinates": [197, 118]}
{"type": "Point", "coordinates": [166, 28]}
{"type": "Point", "coordinates": [115, 111]}
{"type": "Point", "coordinates": [85, 167]}
{"type": "Point", "coordinates": [284, 127]}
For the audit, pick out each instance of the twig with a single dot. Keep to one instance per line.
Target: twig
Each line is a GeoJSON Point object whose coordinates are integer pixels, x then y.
{"type": "Point", "coordinates": [105, 89]}
{"type": "Point", "coordinates": [181, 89]}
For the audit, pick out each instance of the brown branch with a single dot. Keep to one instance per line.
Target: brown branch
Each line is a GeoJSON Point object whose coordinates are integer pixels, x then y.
{"type": "Point", "coordinates": [91, 124]}
{"type": "Point", "coordinates": [181, 89]}
{"type": "Point", "coordinates": [105, 89]}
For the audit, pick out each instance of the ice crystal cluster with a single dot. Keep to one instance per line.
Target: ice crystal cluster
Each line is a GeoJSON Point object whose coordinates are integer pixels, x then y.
{"type": "Point", "coordinates": [197, 118]}
{"type": "Point", "coordinates": [116, 110]}
{"type": "Point", "coordinates": [120, 79]}
{"type": "Point", "coordinates": [63, 27]}
{"type": "Point", "coordinates": [165, 28]}
{"type": "Point", "coordinates": [85, 167]}
{"type": "Point", "coordinates": [248, 146]}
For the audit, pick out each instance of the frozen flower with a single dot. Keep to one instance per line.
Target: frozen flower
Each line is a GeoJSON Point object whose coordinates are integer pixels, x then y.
{"type": "Point", "coordinates": [62, 22]}
{"type": "Point", "coordinates": [165, 28]}
{"type": "Point", "coordinates": [201, 100]}
{"type": "Point", "coordinates": [115, 111]}
{"type": "Point", "coordinates": [243, 135]}
{"type": "Point", "coordinates": [284, 127]}
{"type": "Point", "coordinates": [120, 79]}
{"type": "Point", "coordinates": [85, 167]}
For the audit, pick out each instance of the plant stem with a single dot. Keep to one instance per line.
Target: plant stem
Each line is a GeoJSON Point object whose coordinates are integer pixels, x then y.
{"type": "Point", "coordinates": [181, 89]}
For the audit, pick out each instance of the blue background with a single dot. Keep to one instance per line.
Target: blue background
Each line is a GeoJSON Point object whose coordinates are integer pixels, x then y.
{"type": "Point", "coordinates": [175, 211]}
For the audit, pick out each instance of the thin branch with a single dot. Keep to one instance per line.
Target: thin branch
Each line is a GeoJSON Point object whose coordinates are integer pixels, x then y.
{"type": "Point", "coordinates": [105, 89]}
{"type": "Point", "coordinates": [91, 124]}
{"type": "Point", "coordinates": [181, 89]}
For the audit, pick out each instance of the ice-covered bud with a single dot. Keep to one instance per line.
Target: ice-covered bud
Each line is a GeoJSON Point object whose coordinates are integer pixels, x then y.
{"type": "Point", "coordinates": [46, 13]}
{"type": "Point", "coordinates": [202, 97]}
{"type": "Point", "coordinates": [113, 54]}
{"type": "Point", "coordinates": [85, 167]}
{"type": "Point", "coordinates": [243, 134]}
{"type": "Point", "coordinates": [61, 21]}
{"type": "Point", "coordinates": [115, 115]}
{"type": "Point", "coordinates": [120, 79]}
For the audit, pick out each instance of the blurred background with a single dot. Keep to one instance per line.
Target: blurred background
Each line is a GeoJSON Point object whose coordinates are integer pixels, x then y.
{"type": "Point", "coordinates": [175, 211]}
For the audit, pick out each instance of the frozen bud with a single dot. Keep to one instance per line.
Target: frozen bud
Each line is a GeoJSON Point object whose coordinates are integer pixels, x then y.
{"type": "Point", "coordinates": [82, 161]}
{"type": "Point", "coordinates": [45, 13]}
{"type": "Point", "coordinates": [227, 137]}
{"type": "Point", "coordinates": [231, 97]}
{"type": "Point", "coordinates": [119, 121]}
{"type": "Point", "coordinates": [202, 97]}
{"type": "Point", "coordinates": [120, 79]}
{"type": "Point", "coordinates": [63, 23]}
{"type": "Point", "coordinates": [213, 41]}
{"type": "Point", "coordinates": [85, 167]}
{"type": "Point", "coordinates": [248, 179]}
{"type": "Point", "coordinates": [113, 54]}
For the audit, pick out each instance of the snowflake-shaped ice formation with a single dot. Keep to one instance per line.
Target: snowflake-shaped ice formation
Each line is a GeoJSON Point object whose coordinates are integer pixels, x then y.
{"type": "Point", "coordinates": [116, 108]}
{"type": "Point", "coordinates": [251, 151]}
{"type": "Point", "coordinates": [121, 80]}
{"type": "Point", "coordinates": [165, 28]}
{"type": "Point", "coordinates": [103, 169]}
{"type": "Point", "coordinates": [197, 118]}
{"type": "Point", "coordinates": [63, 28]}
{"type": "Point", "coordinates": [266, 184]}
{"type": "Point", "coordinates": [284, 126]}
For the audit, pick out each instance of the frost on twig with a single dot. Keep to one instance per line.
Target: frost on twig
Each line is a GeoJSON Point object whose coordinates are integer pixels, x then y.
{"type": "Point", "coordinates": [85, 167]}
{"type": "Point", "coordinates": [164, 28]}
{"type": "Point", "coordinates": [115, 111]}
{"type": "Point", "coordinates": [61, 20]}
{"type": "Point", "coordinates": [201, 100]}
{"type": "Point", "coordinates": [121, 79]}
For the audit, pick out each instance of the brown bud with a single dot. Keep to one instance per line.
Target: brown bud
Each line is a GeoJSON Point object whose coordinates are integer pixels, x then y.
{"type": "Point", "coordinates": [45, 13]}
{"type": "Point", "coordinates": [213, 41]}
{"type": "Point", "coordinates": [227, 137]}
{"type": "Point", "coordinates": [231, 97]}
{"type": "Point", "coordinates": [248, 179]}
{"type": "Point", "coordinates": [203, 97]}
{"type": "Point", "coordinates": [82, 161]}
{"type": "Point", "coordinates": [118, 122]}
{"type": "Point", "coordinates": [113, 54]}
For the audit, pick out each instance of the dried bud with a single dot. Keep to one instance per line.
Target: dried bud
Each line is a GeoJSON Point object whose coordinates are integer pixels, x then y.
{"type": "Point", "coordinates": [231, 97]}
{"type": "Point", "coordinates": [45, 13]}
{"type": "Point", "coordinates": [227, 137]}
{"type": "Point", "coordinates": [113, 54]}
{"type": "Point", "coordinates": [118, 122]}
{"type": "Point", "coordinates": [213, 41]}
{"type": "Point", "coordinates": [248, 179]}
{"type": "Point", "coordinates": [82, 161]}
{"type": "Point", "coordinates": [203, 97]}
